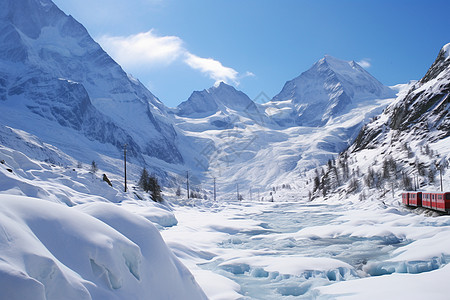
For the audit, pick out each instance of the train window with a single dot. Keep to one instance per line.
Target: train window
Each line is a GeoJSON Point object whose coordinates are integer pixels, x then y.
{"type": "Point", "coordinates": [448, 196]}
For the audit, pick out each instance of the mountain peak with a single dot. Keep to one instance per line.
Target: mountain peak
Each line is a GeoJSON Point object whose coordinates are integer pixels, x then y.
{"type": "Point", "coordinates": [342, 67]}
{"type": "Point", "coordinates": [446, 50]}
{"type": "Point", "coordinates": [222, 86]}
{"type": "Point", "coordinates": [440, 67]}
{"type": "Point", "coordinates": [209, 101]}
{"type": "Point", "coordinates": [327, 88]}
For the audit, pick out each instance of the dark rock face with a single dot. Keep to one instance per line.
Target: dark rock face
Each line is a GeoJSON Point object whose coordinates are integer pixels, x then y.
{"type": "Point", "coordinates": [427, 103]}
{"type": "Point", "coordinates": [424, 111]}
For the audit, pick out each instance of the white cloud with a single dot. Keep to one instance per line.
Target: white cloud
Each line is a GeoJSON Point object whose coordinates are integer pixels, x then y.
{"type": "Point", "coordinates": [148, 49]}
{"type": "Point", "coordinates": [143, 48]}
{"type": "Point", "coordinates": [213, 68]}
{"type": "Point", "coordinates": [365, 63]}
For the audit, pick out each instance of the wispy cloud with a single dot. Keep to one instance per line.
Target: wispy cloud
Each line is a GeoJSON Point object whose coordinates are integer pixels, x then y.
{"type": "Point", "coordinates": [143, 48]}
{"type": "Point", "coordinates": [213, 68]}
{"type": "Point", "coordinates": [365, 63]}
{"type": "Point", "coordinates": [149, 49]}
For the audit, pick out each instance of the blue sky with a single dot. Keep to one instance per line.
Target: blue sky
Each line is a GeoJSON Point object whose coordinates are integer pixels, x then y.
{"type": "Point", "coordinates": [177, 46]}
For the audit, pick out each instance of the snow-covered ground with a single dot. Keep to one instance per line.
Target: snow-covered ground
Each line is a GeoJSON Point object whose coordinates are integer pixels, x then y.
{"type": "Point", "coordinates": [66, 234]}
{"type": "Point", "coordinates": [64, 231]}
{"type": "Point", "coordinates": [312, 249]}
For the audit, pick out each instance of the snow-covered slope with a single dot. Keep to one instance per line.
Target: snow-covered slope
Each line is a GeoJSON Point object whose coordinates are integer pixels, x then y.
{"type": "Point", "coordinates": [326, 90]}
{"type": "Point", "coordinates": [52, 70]}
{"type": "Point", "coordinates": [258, 145]}
{"type": "Point", "coordinates": [67, 234]}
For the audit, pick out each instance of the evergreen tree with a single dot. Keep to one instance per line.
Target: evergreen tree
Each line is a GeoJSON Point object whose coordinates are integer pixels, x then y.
{"type": "Point", "coordinates": [178, 192]}
{"type": "Point", "coordinates": [144, 180]}
{"type": "Point", "coordinates": [431, 174]}
{"type": "Point", "coordinates": [155, 189]}
{"type": "Point", "coordinates": [316, 183]}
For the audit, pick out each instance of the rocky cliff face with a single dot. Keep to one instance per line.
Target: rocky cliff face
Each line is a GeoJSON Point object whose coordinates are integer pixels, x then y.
{"type": "Point", "coordinates": [422, 112]}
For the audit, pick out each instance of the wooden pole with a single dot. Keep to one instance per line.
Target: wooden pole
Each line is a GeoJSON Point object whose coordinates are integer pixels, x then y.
{"type": "Point", "coordinates": [214, 188]}
{"type": "Point", "coordinates": [125, 164]}
{"type": "Point", "coordinates": [237, 191]}
{"type": "Point", "coordinates": [187, 183]}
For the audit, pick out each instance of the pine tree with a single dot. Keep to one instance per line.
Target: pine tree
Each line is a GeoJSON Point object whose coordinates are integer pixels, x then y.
{"type": "Point", "coordinates": [155, 189]}
{"type": "Point", "coordinates": [178, 192]}
{"type": "Point", "coordinates": [316, 183]}
{"type": "Point", "coordinates": [144, 180]}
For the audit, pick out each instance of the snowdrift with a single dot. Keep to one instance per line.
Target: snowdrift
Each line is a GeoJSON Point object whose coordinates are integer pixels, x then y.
{"type": "Point", "coordinates": [94, 251]}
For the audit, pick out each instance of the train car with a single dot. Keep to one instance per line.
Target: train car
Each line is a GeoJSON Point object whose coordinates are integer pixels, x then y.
{"type": "Point", "coordinates": [412, 199]}
{"type": "Point", "coordinates": [426, 200]}
{"type": "Point", "coordinates": [415, 199]}
{"type": "Point", "coordinates": [405, 198]}
{"type": "Point", "coordinates": [439, 201]}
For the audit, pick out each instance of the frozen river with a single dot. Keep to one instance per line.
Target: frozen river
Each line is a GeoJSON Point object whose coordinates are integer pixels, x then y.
{"type": "Point", "coordinates": [287, 250]}
{"type": "Point", "coordinates": [274, 241]}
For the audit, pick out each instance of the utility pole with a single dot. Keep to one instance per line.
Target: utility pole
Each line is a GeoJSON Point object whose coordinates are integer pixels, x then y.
{"type": "Point", "coordinates": [440, 173]}
{"type": "Point", "coordinates": [187, 183]}
{"type": "Point", "coordinates": [237, 191]}
{"type": "Point", "coordinates": [214, 189]}
{"type": "Point", "coordinates": [125, 164]}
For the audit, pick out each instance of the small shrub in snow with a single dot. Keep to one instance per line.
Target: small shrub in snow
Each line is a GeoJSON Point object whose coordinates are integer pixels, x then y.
{"type": "Point", "coordinates": [94, 167]}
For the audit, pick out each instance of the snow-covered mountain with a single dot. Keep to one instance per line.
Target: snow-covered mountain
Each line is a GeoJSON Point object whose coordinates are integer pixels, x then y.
{"type": "Point", "coordinates": [223, 105]}
{"type": "Point", "coordinates": [68, 233]}
{"type": "Point", "coordinates": [405, 147]}
{"type": "Point", "coordinates": [238, 140]}
{"type": "Point", "coordinates": [55, 80]}
{"type": "Point", "coordinates": [323, 92]}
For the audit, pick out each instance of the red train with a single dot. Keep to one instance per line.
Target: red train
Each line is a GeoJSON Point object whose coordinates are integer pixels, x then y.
{"type": "Point", "coordinates": [432, 200]}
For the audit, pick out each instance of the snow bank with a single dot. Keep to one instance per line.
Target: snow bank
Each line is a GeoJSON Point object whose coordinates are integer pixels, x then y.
{"type": "Point", "coordinates": [154, 212]}
{"type": "Point", "coordinates": [397, 286]}
{"type": "Point", "coordinates": [420, 256]}
{"type": "Point", "coordinates": [51, 251]}
{"type": "Point", "coordinates": [307, 267]}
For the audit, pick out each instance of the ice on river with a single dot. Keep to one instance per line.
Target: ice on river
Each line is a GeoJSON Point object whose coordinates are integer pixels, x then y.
{"type": "Point", "coordinates": [304, 250]}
